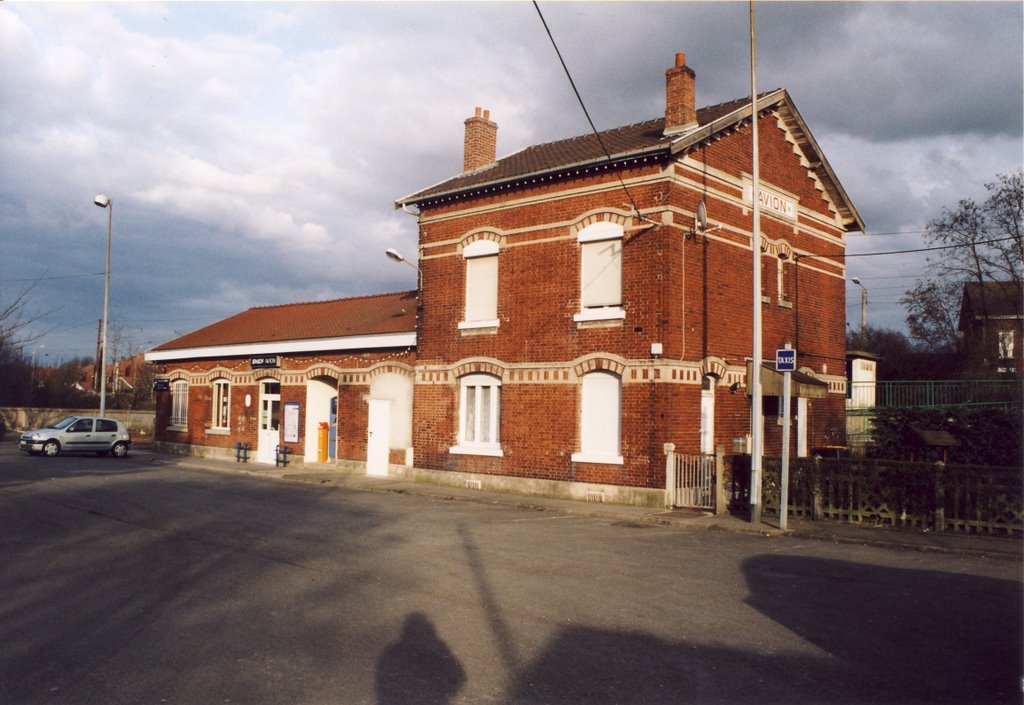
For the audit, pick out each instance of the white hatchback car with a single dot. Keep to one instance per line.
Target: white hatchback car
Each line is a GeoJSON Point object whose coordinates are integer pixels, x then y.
{"type": "Point", "coordinates": [78, 433]}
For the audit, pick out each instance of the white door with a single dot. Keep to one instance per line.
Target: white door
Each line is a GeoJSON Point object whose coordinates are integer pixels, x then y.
{"type": "Point", "coordinates": [801, 427]}
{"type": "Point", "coordinates": [378, 428]}
{"type": "Point", "coordinates": [269, 433]}
{"type": "Point", "coordinates": [707, 415]}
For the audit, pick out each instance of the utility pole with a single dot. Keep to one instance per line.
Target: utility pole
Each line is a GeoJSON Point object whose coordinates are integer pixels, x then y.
{"type": "Point", "coordinates": [756, 411]}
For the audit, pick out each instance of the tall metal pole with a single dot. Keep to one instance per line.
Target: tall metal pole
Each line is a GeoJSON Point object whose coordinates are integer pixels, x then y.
{"type": "Point", "coordinates": [863, 312]}
{"type": "Point", "coordinates": [863, 316]}
{"type": "Point", "coordinates": [784, 479]}
{"type": "Point", "coordinates": [106, 302]}
{"type": "Point", "coordinates": [756, 412]}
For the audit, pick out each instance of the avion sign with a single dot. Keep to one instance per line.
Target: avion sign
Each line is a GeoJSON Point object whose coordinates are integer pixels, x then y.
{"type": "Point", "coordinates": [771, 201]}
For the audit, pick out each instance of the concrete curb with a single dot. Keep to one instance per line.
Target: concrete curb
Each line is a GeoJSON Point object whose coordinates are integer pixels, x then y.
{"type": "Point", "coordinates": [993, 547]}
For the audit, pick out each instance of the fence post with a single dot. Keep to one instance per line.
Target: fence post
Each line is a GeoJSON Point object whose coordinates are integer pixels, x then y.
{"type": "Point", "coordinates": [940, 497]}
{"type": "Point", "coordinates": [670, 474]}
{"type": "Point", "coordinates": [817, 512]}
{"type": "Point", "coordinates": [721, 503]}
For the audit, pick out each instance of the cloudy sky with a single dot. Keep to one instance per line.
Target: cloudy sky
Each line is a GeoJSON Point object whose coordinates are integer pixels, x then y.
{"type": "Point", "coordinates": [253, 151]}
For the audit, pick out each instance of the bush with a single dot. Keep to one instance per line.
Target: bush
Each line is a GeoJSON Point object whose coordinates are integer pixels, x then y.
{"type": "Point", "coordinates": [987, 435]}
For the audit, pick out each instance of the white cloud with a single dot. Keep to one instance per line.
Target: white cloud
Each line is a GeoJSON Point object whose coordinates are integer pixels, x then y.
{"type": "Point", "coordinates": [254, 150]}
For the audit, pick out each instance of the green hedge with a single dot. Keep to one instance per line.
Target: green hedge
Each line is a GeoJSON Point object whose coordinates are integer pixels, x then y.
{"type": "Point", "coordinates": [988, 436]}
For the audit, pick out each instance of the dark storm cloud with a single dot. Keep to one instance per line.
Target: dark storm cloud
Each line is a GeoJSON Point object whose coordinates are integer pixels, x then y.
{"type": "Point", "coordinates": [254, 150]}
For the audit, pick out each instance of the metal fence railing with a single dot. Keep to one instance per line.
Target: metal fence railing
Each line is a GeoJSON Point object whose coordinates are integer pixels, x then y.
{"type": "Point", "coordinates": [934, 496]}
{"type": "Point", "coordinates": [930, 393]}
{"type": "Point", "coordinates": [694, 481]}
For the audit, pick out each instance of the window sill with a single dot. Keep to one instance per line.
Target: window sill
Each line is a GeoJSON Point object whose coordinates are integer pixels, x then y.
{"type": "Point", "coordinates": [599, 458]}
{"type": "Point", "coordinates": [785, 304]}
{"type": "Point", "coordinates": [174, 428]}
{"type": "Point", "coordinates": [607, 313]}
{"type": "Point", "coordinates": [471, 325]}
{"type": "Point", "coordinates": [218, 432]}
{"type": "Point", "coordinates": [492, 451]}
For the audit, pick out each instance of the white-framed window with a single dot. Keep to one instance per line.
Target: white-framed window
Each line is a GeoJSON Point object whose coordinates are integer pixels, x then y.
{"type": "Point", "coordinates": [179, 404]}
{"type": "Point", "coordinates": [481, 309]}
{"type": "Point", "coordinates": [780, 265]}
{"type": "Point", "coordinates": [479, 415]}
{"type": "Point", "coordinates": [707, 414]}
{"type": "Point", "coordinates": [600, 418]}
{"type": "Point", "coordinates": [600, 272]}
{"type": "Point", "coordinates": [1005, 344]}
{"type": "Point", "coordinates": [221, 404]}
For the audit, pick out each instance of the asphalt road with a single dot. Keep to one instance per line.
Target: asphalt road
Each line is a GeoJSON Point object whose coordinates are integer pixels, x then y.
{"type": "Point", "coordinates": [139, 581]}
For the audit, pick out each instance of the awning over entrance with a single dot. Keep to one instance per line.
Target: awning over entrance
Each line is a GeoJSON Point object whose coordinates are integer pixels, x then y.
{"type": "Point", "coordinates": [801, 385]}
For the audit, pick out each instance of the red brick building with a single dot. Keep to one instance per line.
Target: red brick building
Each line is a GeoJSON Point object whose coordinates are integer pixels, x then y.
{"type": "Point", "coordinates": [575, 317]}
{"type": "Point", "coordinates": [271, 375]}
{"type": "Point", "coordinates": [991, 327]}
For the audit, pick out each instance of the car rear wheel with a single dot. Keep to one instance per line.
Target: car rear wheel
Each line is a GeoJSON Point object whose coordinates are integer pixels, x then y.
{"type": "Point", "coordinates": [119, 450]}
{"type": "Point", "coordinates": [51, 448]}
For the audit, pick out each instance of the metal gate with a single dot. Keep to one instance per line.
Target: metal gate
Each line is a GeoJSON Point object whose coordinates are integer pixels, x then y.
{"type": "Point", "coordinates": [690, 480]}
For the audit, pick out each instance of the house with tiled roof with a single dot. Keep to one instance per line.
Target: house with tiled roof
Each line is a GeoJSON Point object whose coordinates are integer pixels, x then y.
{"type": "Point", "coordinates": [587, 301]}
{"type": "Point", "coordinates": [991, 326]}
{"type": "Point", "coordinates": [270, 376]}
{"type": "Point", "coordinates": [582, 305]}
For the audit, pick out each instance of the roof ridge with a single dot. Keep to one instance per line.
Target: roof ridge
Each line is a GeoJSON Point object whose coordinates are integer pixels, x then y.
{"type": "Point", "coordinates": [583, 136]}
{"type": "Point", "coordinates": [335, 300]}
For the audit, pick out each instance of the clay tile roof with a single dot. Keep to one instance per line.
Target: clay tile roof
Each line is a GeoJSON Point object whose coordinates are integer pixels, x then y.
{"type": "Point", "coordinates": [620, 141]}
{"type": "Point", "coordinates": [990, 299]}
{"type": "Point", "coordinates": [641, 140]}
{"type": "Point", "coordinates": [362, 315]}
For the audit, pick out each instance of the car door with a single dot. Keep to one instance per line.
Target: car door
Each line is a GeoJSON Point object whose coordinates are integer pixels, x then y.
{"type": "Point", "coordinates": [78, 436]}
{"type": "Point", "coordinates": [105, 433]}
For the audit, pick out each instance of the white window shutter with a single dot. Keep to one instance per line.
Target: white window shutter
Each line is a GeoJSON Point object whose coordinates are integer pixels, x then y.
{"type": "Point", "coordinates": [600, 414]}
{"type": "Point", "coordinates": [602, 273]}
{"type": "Point", "coordinates": [482, 288]}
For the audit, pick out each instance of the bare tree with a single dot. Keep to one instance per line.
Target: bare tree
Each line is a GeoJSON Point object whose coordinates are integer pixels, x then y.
{"type": "Point", "coordinates": [16, 332]}
{"type": "Point", "coordinates": [982, 242]}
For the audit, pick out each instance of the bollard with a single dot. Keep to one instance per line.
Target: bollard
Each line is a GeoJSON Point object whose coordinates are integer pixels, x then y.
{"type": "Point", "coordinates": [241, 452]}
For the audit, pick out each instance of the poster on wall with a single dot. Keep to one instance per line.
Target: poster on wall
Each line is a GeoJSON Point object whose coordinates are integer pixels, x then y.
{"type": "Point", "coordinates": [291, 422]}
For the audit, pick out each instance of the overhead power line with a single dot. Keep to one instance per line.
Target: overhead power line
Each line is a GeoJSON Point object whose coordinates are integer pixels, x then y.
{"type": "Point", "coordinates": [46, 279]}
{"type": "Point", "coordinates": [586, 112]}
{"type": "Point", "coordinates": [846, 255]}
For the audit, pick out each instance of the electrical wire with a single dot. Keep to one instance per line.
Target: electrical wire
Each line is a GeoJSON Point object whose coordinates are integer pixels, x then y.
{"type": "Point", "coordinates": [586, 112]}
{"type": "Point", "coordinates": [847, 255]}
{"type": "Point", "coordinates": [46, 279]}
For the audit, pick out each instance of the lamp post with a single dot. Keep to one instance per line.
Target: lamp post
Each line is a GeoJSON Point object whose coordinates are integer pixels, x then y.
{"type": "Point", "coordinates": [33, 373]}
{"type": "Point", "coordinates": [863, 311]}
{"type": "Point", "coordinates": [396, 256]}
{"type": "Point", "coordinates": [754, 383]}
{"type": "Point", "coordinates": [104, 202]}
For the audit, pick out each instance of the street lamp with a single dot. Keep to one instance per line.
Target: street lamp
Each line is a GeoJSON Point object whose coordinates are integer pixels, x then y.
{"type": "Point", "coordinates": [396, 256]}
{"type": "Point", "coordinates": [104, 202]}
{"type": "Point", "coordinates": [863, 311]}
{"type": "Point", "coordinates": [32, 375]}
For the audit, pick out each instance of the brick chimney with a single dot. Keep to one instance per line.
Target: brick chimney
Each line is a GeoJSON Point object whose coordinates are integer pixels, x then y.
{"type": "Point", "coordinates": [680, 108]}
{"type": "Point", "coordinates": [481, 141]}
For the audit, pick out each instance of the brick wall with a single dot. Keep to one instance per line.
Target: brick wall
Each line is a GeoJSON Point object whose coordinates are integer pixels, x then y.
{"type": "Point", "coordinates": [348, 372]}
{"type": "Point", "coordinates": [691, 294]}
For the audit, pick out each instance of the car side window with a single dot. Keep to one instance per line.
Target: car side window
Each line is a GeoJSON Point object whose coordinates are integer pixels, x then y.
{"type": "Point", "coordinates": [106, 426]}
{"type": "Point", "coordinates": [81, 426]}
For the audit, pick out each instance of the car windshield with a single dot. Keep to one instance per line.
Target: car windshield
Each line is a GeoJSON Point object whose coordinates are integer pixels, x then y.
{"type": "Point", "coordinates": [64, 423]}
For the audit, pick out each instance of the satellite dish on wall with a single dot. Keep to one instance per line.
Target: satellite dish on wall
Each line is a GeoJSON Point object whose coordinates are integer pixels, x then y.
{"type": "Point", "coordinates": [700, 218]}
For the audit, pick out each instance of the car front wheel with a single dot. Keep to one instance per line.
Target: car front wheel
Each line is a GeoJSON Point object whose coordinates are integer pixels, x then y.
{"type": "Point", "coordinates": [51, 448]}
{"type": "Point", "coordinates": [119, 450]}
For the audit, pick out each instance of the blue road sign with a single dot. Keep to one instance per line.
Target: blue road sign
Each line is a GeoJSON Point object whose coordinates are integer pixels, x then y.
{"type": "Point", "coordinates": [785, 360]}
